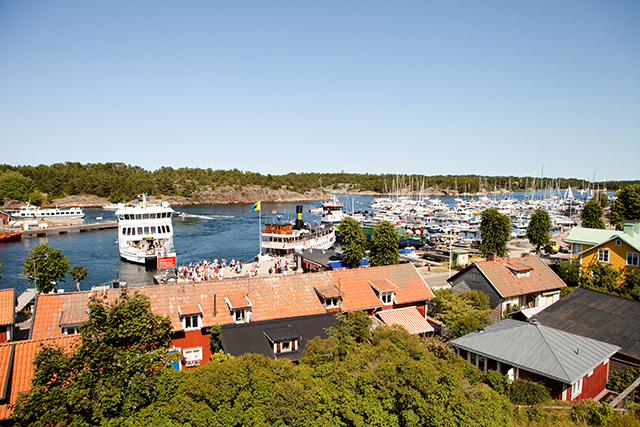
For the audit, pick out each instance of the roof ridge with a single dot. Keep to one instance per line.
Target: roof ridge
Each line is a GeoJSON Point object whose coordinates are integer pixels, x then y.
{"type": "Point", "coordinates": [538, 325]}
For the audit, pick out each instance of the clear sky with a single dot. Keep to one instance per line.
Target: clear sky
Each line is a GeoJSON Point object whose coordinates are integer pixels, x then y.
{"type": "Point", "coordinates": [424, 87]}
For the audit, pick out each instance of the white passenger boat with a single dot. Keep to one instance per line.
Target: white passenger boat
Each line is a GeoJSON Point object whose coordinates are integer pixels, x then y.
{"type": "Point", "coordinates": [332, 211]}
{"type": "Point", "coordinates": [31, 211]}
{"type": "Point", "coordinates": [145, 231]}
{"type": "Point", "coordinates": [285, 238]}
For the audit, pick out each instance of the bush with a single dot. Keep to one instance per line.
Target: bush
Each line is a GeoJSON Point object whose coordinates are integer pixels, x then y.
{"type": "Point", "coordinates": [592, 412]}
{"type": "Point", "coordinates": [622, 379]}
{"type": "Point", "coordinates": [497, 381]}
{"type": "Point", "coordinates": [525, 392]}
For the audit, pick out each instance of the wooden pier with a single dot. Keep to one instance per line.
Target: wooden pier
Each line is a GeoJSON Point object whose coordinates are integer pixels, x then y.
{"type": "Point", "coordinates": [69, 228]}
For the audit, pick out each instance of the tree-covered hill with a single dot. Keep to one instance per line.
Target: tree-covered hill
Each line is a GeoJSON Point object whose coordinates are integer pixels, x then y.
{"type": "Point", "coordinates": [117, 180]}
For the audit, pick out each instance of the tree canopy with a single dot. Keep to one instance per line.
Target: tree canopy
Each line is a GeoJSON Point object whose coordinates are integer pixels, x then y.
{"type": "Point", "coordinates": [78, 272]}
{"type": "Point", "coordinates": [592, 215]}
{"type": "Point", "coordinates": [49, 266]}
{"type": "Point", "coordinates": [384, 245]}
{"type": "Point", "coordinates": [495, 230]}
{"type": "Point", "coordinates": [14, 185]}
{"type": "Point", "coordinates": [118, 369]}
{"type": "Point", "coordinates": [626, 206]}
{"type": "Point", "coordinates": [462, 314]}
{"type": "Point", "coordinates": [539, 229]}
{"type": "Point", "coordinates": [353, 241]}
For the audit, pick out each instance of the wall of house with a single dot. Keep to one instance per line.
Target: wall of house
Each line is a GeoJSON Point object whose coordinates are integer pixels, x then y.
{"type": "Point", "coordinates": [593, 384]}
{"type": "Point", "coordinates": [190, 339]}
{"type": "Point", "coordinates": [617, 255]}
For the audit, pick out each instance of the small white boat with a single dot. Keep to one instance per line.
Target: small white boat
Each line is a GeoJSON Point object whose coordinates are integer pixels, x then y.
{"type": "Point", "coordinates": [31, 211]}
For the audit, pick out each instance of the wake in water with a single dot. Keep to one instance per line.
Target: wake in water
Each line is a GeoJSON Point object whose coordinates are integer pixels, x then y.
{"type": "Point", "coordinates": [211, 216]}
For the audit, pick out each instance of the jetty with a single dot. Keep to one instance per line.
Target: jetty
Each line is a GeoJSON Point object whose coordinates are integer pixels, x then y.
{"type": "Point", "coordinates": [43, 231]}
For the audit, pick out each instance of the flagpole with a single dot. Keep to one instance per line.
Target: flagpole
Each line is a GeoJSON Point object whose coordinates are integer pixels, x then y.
{"type": "Point", "coordinates": [259, 230]}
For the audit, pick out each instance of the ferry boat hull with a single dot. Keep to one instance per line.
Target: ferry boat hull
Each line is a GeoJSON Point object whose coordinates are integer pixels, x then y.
{"type": "Point", "coordinates": [286, 238]}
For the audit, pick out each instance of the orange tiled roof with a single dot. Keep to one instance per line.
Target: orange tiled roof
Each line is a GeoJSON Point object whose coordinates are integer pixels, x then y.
{"type": "Point", "coordinates": [7, 306]}
{"type": "Point", "coordinates": [502, 275]}
{"type": "Point", "coordinates": [21, 369]}
{"type": "Point", "coordinates": [6, 353]}
{"type": "Point", "coordinates": [328, 291]}
{"type": "Point", "coordinates": [408, 317]}
{"type": "Point", "coordinates": [271, 297]}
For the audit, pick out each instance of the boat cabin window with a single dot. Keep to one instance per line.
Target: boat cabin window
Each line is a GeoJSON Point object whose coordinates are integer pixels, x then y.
{"type": "Point", "coordinates": [138, 216]}
{"type": "Point", "coordinates": [153, 230]}
{"type": "Point", "coordinates": [152, 215]}
{"type": "Point", "coordinates": [146, 230]}
{"type": "Point", "coordinates": [168, 229]}
{"type": "Point", "coordinates": [139, 230]}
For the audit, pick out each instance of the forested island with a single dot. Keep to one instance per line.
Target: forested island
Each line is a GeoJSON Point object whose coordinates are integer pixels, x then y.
{"type": "Point", "coordinates": [61, 183]}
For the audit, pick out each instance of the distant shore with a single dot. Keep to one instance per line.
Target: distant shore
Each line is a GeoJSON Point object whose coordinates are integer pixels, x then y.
{"type": "Point", "coordinates": [231, 195]}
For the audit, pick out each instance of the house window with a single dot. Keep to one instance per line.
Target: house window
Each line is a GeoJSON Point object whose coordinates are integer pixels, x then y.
{"type": "Point", "coordinates": [191, 322]}
{"type": "Point", "coordinates": [386, 298]}
{"type": "Point", "coordinates": [603, 255]}
{"type": "Point", "coordinates": [522, 274]}
{"type": "Point", "coordinates": [332, 302]}
{"type": "Point", "coordinates": [576, 389]}
{"type": "Point", "coordinates": [632, 259]}
{"type": "Point", "coordinates": [192, 356]}
{"type": "Point", "coordinates": [241, 316]}
{"type": "Point", "coordinates": [576, 248]}
{"type": "Point", "coordinates": [618, 242]}
{"type": "Point", "coordinates": [475, 277]}
{"type": "Point", "coordinates": [70, 330]}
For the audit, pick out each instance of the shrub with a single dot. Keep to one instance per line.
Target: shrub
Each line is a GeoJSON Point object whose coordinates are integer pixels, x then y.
{"type": "Point", "coordinates": [525, 392]}
{"type": "Point", "coordinates": [497, 381]}
{"type": "Point", "coordinates": [623, 378]}
{"type": "Point", "coordinates": [592, 412]}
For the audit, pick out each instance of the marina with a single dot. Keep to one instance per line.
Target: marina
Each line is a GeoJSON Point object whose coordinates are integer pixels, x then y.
{"type": "Point", "coordinates": [207, 232]}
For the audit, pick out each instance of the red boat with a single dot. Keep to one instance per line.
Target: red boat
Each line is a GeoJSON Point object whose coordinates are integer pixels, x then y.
{"type": "Point", "coordinates": [8, 236]}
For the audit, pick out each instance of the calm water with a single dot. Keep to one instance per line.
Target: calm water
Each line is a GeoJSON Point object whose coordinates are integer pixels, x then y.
{"type": "Point", "coordinates": [216, 231]}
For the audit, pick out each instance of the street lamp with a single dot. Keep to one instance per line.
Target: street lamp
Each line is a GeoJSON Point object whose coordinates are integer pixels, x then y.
{"type": "Point", "coordinates": [450, 237]}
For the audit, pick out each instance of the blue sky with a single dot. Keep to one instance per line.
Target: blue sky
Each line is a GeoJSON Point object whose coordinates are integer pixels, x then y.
{"type": "Point", "coordinates": [424, 87]}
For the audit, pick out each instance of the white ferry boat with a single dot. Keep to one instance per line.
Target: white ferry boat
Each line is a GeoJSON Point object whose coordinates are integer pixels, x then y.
{"type": "Point", "coordinates": [145, 231]}
{"type": "Point", "coordinates": [332, 211]}
{"type": "Point", "coordinates": [37, 212]}
{"type": "Point", "coordinates": [286, 238]}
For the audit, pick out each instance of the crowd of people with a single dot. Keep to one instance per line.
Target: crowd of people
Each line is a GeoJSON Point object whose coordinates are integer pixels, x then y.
{"type": "Point", "coordinates": [216, 270]}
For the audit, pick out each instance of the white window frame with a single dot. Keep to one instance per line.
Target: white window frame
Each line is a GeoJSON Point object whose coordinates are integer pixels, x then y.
{"type": "Point", "coordinates": [192, 356]}
{"type": "Point", "coordinates": [603, 256]}
{"type": "Point", "coordinates": [618, 242]}
{"type": "Point", "coordinates": [191, 318]}
{"type": "Point", "coordinates": [387, 297]}
{"type": "Point", "coordinates": [637, 258]}
{"type": "Point", "coordinates": [244, 314]}
{"type": "Point", "coordinates": [332, 302]}
{"type": "Point", "coordinates": [70, 330]}
{"type": "Point", "coordinates": [576, 389]}
{"type": "Point", "coordinates": [576, 248]}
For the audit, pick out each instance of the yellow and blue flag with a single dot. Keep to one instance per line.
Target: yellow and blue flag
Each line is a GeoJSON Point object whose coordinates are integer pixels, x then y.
{"type": "Point", "coordinates": [255, 207]}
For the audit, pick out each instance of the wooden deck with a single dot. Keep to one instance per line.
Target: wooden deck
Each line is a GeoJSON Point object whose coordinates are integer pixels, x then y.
{"type": "Point", "coordinates": [70, 228]}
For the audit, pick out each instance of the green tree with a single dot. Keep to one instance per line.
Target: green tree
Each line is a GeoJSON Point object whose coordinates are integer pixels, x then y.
{"type": "Point", "coordinates": [384, 245]}
{"type": "Point", "coordinates": [592, 215]}
{"type": "Point", "coordinates": [495, 230]}
{"type": "Point", "coordinates": [14, 185]}
{"type": "Point", "coordinates": [626, 206]}
{"type": "Point", "coordinates": [116, 371]}
{"type": "Point", "coordinates": [353, 241]}
{"type": "Point", "coordinates": [463, 313]}
{"type": "Point", "coordinates": [215, 339]}
{"type": "Point", "coordinates": [606, 278]}
{"type": "Point", "coordinates": [539, 229]}
{"type": "Point", "coordinates": [570, 273]}
{"type": "Point", "coordinates": [45, 267]}
{"type": "Point", "coordinates": [78, 272]}
{"type": "Point", "coordinates": [632, 284]}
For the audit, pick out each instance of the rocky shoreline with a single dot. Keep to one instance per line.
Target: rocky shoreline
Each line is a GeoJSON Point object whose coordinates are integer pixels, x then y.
{"type": "Point", "coordinates": [221, 195]}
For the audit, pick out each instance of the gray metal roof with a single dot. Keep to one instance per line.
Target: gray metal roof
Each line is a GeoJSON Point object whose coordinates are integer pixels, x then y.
{"type": "Point", "coordinates": [546, 351]}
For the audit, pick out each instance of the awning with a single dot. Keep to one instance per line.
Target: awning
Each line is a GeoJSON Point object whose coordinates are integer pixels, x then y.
{"type": "Point", "coordinates": [409, 317]}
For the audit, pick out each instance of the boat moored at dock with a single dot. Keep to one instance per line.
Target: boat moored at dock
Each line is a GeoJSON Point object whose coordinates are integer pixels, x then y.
{"type": "Point", "coordinates": [285, 238]}
{"type": "Point", "coordinates": [31, 211]}
{"type": "Point", "coordinates": [145, 231]}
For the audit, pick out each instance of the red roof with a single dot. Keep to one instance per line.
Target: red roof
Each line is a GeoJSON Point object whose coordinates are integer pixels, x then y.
{"type": "Point", "coordinates": [503, 275]}
{"type": "Point", "coordinates": [19, 370]}
{"type": "Point", "coordinates": [408, 317]}
{"type": "Point", "coordinates": [271, 297]}
{"type": "Point", "coordinates": [7, 306]}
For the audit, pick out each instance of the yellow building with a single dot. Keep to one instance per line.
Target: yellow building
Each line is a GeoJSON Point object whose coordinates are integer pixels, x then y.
{"type": "Point", "coordinates": [619, 249]}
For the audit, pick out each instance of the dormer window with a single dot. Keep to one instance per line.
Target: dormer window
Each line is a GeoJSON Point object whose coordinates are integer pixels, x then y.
{"type": "Point", "coordinates": [386, 298]}
{"type": "Point", "coordinates": [69, 330]}
{"type": "Point", "coordinates": [330, 295]}
{"type": "Point", "coordinates": [385, 290]}
{"type": "Point", "coordinates": [519, 269]}
{"type": "Point", "coordinates": [522, 274]}
{"type": "Point", "coordinates": [239, 308]}
{"type": "Point", "coordinates": [190, 317]}
{"type": "Point", "coordinates": [283, 340]}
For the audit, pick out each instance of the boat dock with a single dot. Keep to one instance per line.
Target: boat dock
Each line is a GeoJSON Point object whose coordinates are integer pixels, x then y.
{"type": "Point", "coordinates": [69, 228]}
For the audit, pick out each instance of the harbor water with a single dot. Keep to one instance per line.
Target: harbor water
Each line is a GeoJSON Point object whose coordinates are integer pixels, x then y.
{"type": "Point", "coordinates": [207, 232]}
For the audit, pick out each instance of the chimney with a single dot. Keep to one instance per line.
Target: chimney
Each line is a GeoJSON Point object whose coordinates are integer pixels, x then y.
{"type": "Point", "coordinates": [491, 256]}
{"type": "Point", "coordinates": [299, 225]}
{"type": "Point", "coordinates": [629, 228]}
